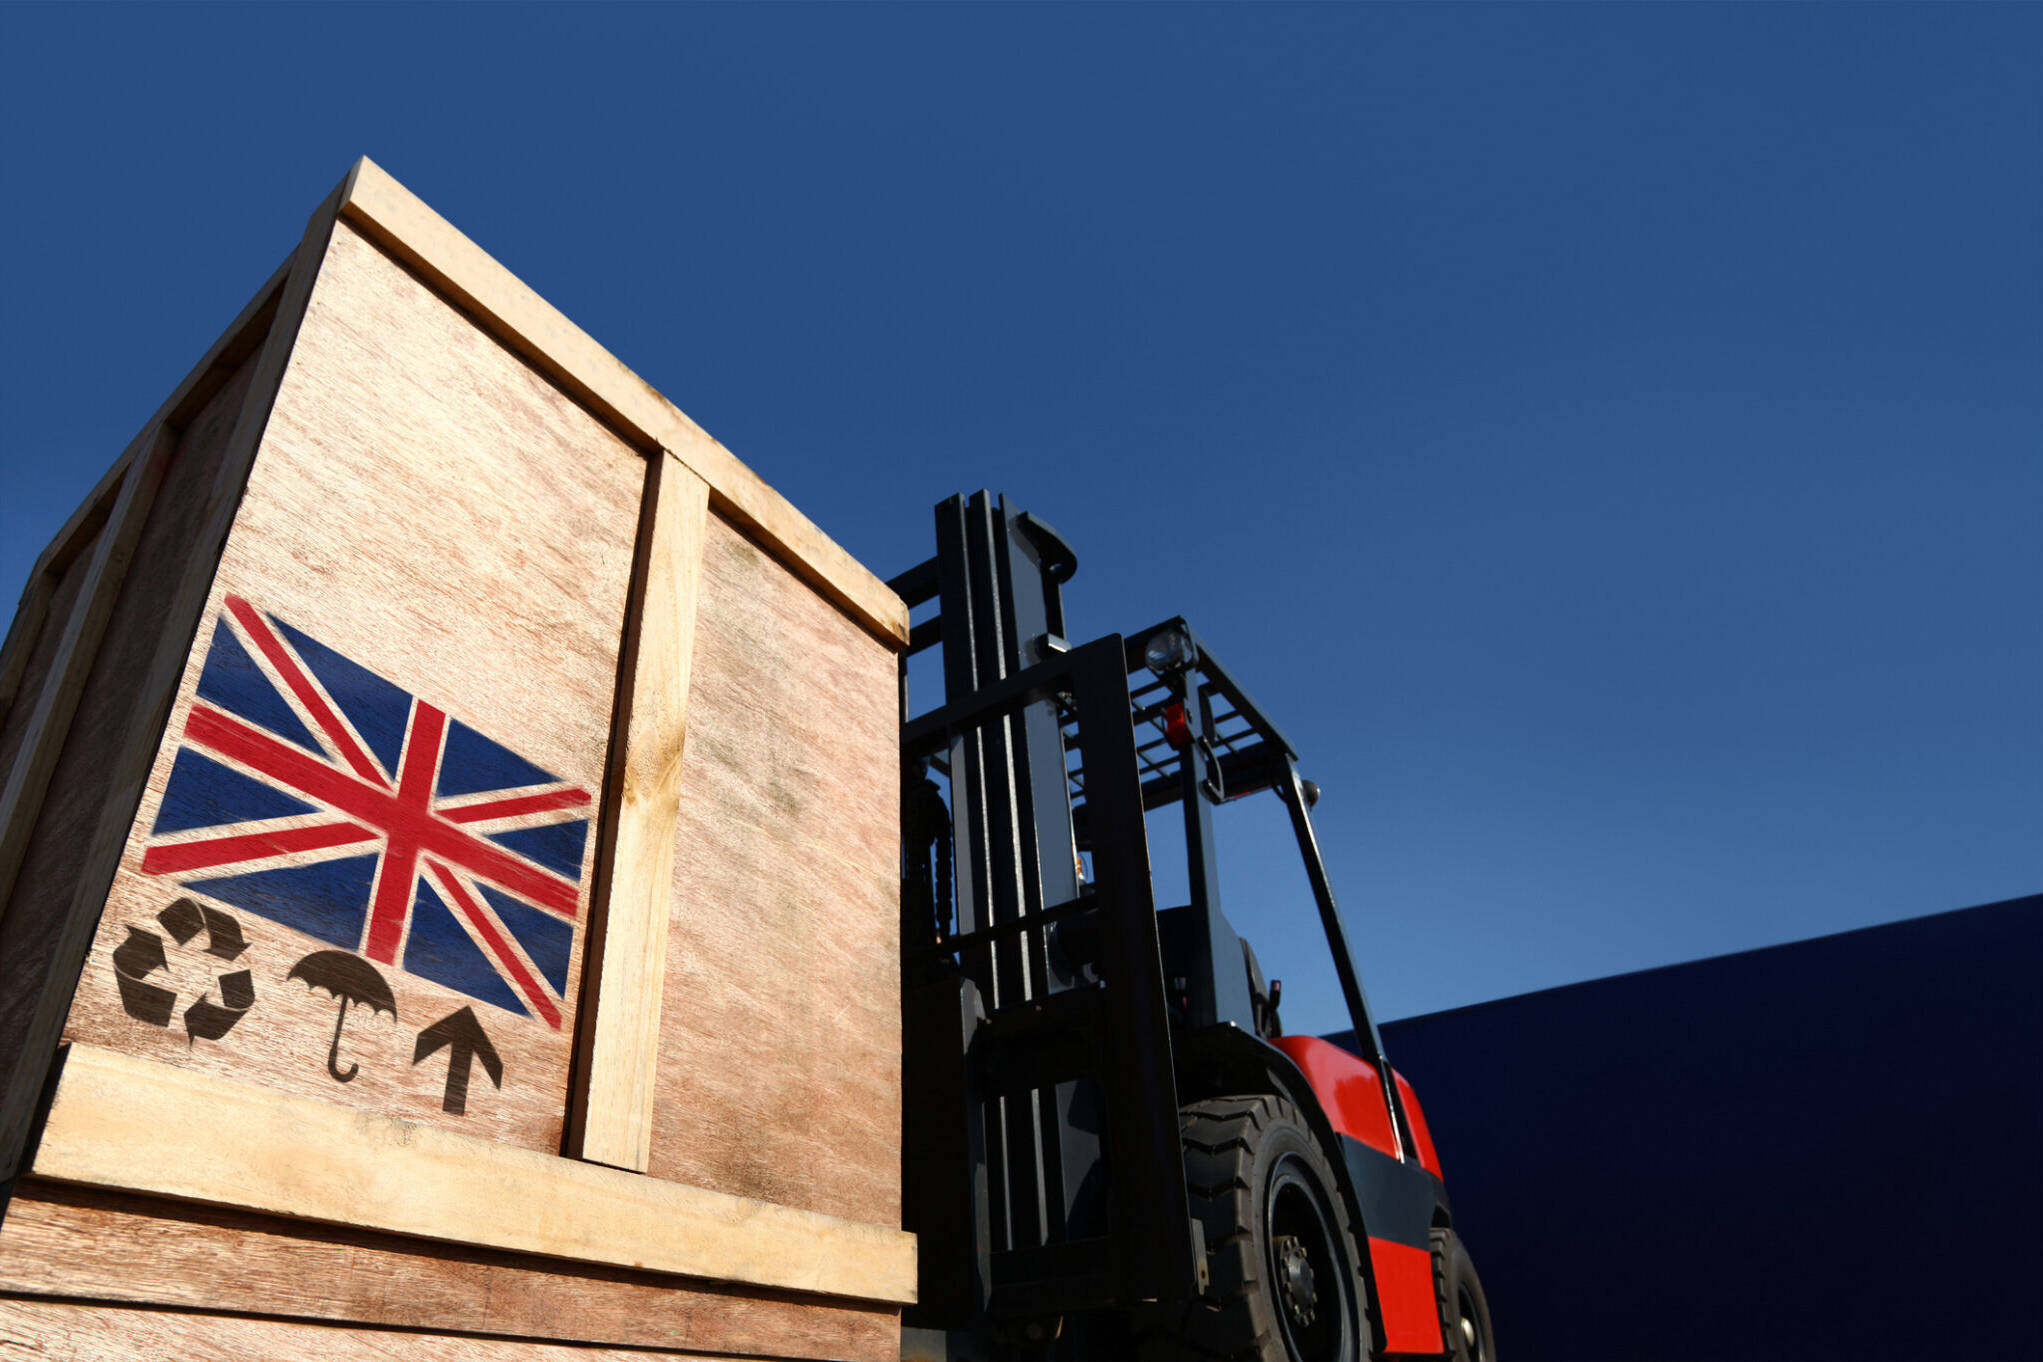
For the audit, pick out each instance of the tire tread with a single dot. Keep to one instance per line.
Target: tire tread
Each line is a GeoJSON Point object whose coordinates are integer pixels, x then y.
{"type": "Point", "coordinates": [1235, 1321]}
{"type": "Point", "coordinates": [1450, 1260]}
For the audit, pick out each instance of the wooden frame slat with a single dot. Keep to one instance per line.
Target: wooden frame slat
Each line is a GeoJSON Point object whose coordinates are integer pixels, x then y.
{"type": "Point", "coordinates": [50, 723]}
{"type": "Point", "coordinates": [88, 1331]}
{"type": "Point", "coordinates": [613, 1118]}
{"type": "Point", "coordinates": [79, 528]}
{"type": "Point", "coordinates": [22, 636]}
{"type": "Point", "coordinates": [99, 1244]}
{"type": "Point", "coordinates": [121, 1122]}
{"type": "Point", "coordinates": [402, 224]}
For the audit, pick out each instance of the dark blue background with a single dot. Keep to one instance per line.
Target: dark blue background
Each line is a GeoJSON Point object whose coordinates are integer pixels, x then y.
{"type": "Point", "coordinates": [1819, 1152]}
{"type": "Point", "coordinates": [1607, 437]}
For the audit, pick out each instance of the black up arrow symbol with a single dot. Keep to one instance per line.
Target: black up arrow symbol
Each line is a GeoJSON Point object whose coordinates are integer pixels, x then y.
{"type": "Point", "coordinates": [463, 1036]}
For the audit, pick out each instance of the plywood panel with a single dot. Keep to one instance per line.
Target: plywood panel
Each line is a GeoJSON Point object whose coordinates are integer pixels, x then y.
{"type": "Point", "coordinates": [68, 1241]}
{"type": "Point", "coordinates": [397, 220]}
{"type": "Point", "coordinates": [264, 333]}
{"type": "Point", "coordinates": [83, 784]}
{"type": "Point", "coordinates": [415, 624]}
{"type": "Point", "coordinates": [779, 1073]}
{"type": "Point", "coordinates": [68, 1331]}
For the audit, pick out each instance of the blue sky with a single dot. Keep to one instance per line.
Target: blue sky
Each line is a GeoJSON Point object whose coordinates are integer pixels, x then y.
{"type": "Point", "coordinates": [1610, 439]}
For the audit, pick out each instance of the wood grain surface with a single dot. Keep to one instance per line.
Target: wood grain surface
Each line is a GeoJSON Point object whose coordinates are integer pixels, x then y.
{"type": "Point", "coordinates": [82, 1242]}
{"type": "Point", "coordinates": [26, 636]}
{"type": "Point", "coordinates": [76, 1331]}
{"type": "Point", "coordinates": [422, 504]}
{"type": "Point", "coordinates": [48, 722]}
{"type": "Point", "coordinates": [221, 362]}
{"type": "Point", "coordinates": [82, 526]}
{"type": "Point", "coordinates": [85, 1242]}
{"type": "Point", "coordinates": [429, 509]}
{"type": "Point", "coordinates": [174, 566]}
{"type": "Point", "coordinates": [406, 227]}
{"type": "Point", "coordinates": [38, 958]}
{"type": "Point", "coordinates": [613, 1121]}
{"type": "Point", "coordinates": [32, 648]}
{"type": "Point", "coordinates": [134, 1124]}
{"type": "Point", "coordinates": [779, 1071]}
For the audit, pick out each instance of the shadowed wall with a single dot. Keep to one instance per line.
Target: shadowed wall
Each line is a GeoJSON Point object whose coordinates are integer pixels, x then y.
{"type": "Point", "coordinates": [1823, 1150]}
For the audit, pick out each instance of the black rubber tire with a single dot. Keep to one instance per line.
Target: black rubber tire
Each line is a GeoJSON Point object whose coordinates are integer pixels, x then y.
{"type": "Point", "coordinates": [1256, 1175]}
{"type": "Point", "coordinates": [1464, 1310]}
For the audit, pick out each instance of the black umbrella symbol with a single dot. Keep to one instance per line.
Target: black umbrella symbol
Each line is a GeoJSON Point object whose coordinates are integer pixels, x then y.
{"type": "Point", "coordinates": [352, 980]}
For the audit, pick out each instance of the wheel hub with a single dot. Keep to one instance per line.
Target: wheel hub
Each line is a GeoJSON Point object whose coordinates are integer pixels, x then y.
{"type": "Point", "coordinates": [1295, 1283]}
{"type": "Point", "coordinates": [1472, 1338]}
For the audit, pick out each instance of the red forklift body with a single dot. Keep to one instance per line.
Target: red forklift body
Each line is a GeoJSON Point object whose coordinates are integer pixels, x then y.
{"type": "Point", "coordinates": [1400, 1249]}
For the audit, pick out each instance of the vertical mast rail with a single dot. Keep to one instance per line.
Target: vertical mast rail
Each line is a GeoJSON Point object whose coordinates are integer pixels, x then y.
{"type": "Point", "coordinates": [1158, 1262]}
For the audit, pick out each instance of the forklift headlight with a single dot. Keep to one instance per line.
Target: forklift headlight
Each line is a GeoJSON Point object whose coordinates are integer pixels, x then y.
{"type": "Point", "coordinates": [1170, 651]}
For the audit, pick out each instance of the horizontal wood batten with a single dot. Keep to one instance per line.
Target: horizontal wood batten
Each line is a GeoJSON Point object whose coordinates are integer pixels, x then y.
{"type": "Point", "coordinates": [132, 1124]}
{"type": "Point", "coordinates": [88, 1331]}
{"type": "Point", "coordinates": [402, 224]}
{"type": "Point", "coordinates": [96, 1244]}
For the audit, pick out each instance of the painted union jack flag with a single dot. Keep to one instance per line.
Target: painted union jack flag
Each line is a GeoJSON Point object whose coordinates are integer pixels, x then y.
{"type": "Point", "coordinates": [311, 791]}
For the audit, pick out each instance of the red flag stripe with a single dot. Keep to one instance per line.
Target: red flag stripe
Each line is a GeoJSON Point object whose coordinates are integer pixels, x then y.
{"type": "Point", "coordinates": [308, 694]}
{"type": "Point", "coordinates": [486, 926]}
{"type": "Point", "coordinates": [418, 767]}
{"type": "Point", "coordinates": [182, 857]}
{"type": "Point", "coordinates": [379, 808]}
{"type": "Point", "coordinates": [512, 808]}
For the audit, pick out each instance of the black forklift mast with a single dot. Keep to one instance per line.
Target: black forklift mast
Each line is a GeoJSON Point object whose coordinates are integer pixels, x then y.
{"type": "Point", "coordinates": [1042, 1162]}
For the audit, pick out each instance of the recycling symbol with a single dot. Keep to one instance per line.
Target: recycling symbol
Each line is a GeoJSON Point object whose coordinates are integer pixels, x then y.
{"type": "Point", "coordinates": [142, 955]}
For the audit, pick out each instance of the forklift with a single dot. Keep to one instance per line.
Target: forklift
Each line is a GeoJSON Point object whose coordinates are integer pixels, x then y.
{"type": "Point", "coordinates": [1110, 1147]}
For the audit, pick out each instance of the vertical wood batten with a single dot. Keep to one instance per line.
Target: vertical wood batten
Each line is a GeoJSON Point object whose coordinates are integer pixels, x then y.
{"type": "Point", "coordinates": [77, 533]}
{"type": "Point", "coordinates": [50, 723]}
{"type": "Point", "coordinates": [156, 689]}
{"type": "Point", "coordinates": [21, 641]}
{"type": "Point", "coordinates": [614, 1101]}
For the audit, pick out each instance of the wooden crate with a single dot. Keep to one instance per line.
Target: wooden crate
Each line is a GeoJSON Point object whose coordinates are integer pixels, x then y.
{"type": "Point", "coordinates": [448, 856]}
